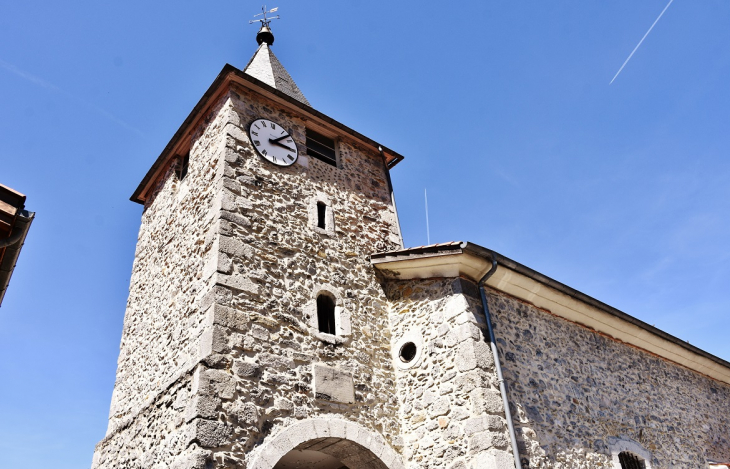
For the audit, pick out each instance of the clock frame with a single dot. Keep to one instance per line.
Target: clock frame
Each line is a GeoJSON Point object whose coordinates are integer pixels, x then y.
{"type": "Point", "coordinates": [273, 142]}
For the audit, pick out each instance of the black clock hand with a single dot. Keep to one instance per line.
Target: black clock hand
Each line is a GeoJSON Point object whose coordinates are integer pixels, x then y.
{"type": "Point", "coordinates": [274, 140]}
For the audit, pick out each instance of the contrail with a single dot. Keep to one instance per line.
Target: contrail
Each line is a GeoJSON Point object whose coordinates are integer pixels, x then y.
{"type": "Point", "coordinates": [31, 78]}
{"type": "Point", "coordinates": [642, 40]}
{"type": "Point", "coordinates": [50, 86]}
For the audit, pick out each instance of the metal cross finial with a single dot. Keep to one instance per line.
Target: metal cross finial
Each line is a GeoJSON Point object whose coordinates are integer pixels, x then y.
{"type": "Point", "coordinates": [265, 21]}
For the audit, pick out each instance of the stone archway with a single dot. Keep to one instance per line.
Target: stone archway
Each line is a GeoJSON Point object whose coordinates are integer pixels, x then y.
{"type": "Point", "coordinates": [326, 442]}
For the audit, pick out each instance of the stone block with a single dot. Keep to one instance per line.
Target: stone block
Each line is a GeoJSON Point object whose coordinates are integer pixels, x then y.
{"type": "Point", "coordinates": [486, 401]}
{"type": "Point", "coordinates": [235, 247]}
{"type": "Point", "coordinates": [487, 440]}
{"type": "Point", "coordinates": [471, 354]}
{"type": "Point", "coordinates": [221, 383]}
{"type": "Point", "coordinates": [494, 459]}
{"type": "Point", "coordinates": [455, 306]}
{"type": "Point", "coordinates": [333, 385]}
{"type": "Point", "coordinates": [268, 360]}
{"type": "Point", "coordinates": [466, 356]}
{"type": "Point", "coordinates": [203, 406]}
{"type": "Point", "coordinates": [214, 340]}
{"type": "Point", "coordinates": [232, 202]}
{"type": "Point", "coordinates": [344, 327]}
{"type": "Point", "coordinates": [480, 424]}
{"type": "Point", "coordinates": [209, 433]}
{"type": "Point", "coordinates": [228, 317]}
{"type": "Point", "coordinates": [246, 413]}
{"type": "Point", "coordinates": [283, 404]}
{"type": "Point", "coordinates": [468, 330]}
{"type": "Point", "coordinates": [300, 433]}
{"type": "Point", "coordinates": [225, 265]}
{"type": "Point", "coordinates": [235, 218]}
{"type": "Point", "coordinates": [337, 427]}
{"type": "Point", "coordinates": [440, 406]}
{"type": "Point", "coordinates": [195, 459]}
{"type": "Point", "coordinates": [236, 132]}
{"type": "Point", "coordinates": [452, 432]}
{"type": "Point", "coordinates": [260, 333]}
{"type": "Point", "coordinates": [245, 369]}
{"type": "Point", "coordinates": [238, 282]}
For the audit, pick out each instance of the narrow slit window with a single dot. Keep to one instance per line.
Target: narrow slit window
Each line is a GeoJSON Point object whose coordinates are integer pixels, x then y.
{"type": "Point", "coordinates": [183, 169]}
{"type": "Point", "coordinates": [630, 461]}
{"type": "Point", "coordinates": [326, 314]}
{"type": "Point", "coordinates": [321, 147]}
{"type": "Point", "coordinates": [321, 213]}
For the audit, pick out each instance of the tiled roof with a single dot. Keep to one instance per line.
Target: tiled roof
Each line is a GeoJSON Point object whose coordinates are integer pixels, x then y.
{"type": "Point", "coordinates": [430, 249]}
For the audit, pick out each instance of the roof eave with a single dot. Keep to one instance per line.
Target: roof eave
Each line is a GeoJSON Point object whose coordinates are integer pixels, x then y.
{"type": "Point", "coordinates": [473, 261]}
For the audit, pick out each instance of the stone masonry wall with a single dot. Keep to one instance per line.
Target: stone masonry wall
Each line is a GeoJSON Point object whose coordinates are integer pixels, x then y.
{"type": "Point", "coordinates": [576, 392]}
{"type": "Point", "coordinates": [269, 263]}
{"type": "Point", "coordinates": [451, 412]}
{"type": "Point", "coordinates": [163, 320]}
{"type": "Point", "coordinates": [157, 437]}
{"type": "Point", "coordinates": [228, 266]}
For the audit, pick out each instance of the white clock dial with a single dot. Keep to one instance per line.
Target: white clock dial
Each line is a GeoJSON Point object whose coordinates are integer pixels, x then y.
{"type": "Point", "coordinates": [273, 142]}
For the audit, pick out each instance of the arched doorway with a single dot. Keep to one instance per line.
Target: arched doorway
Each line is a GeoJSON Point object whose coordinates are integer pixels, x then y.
{"type": "Point", "coordinates": [326, 444]}
{"type": "Point", "coordinates": [304, 459]}
{"type": "Point", "coordinates": [330, 453]}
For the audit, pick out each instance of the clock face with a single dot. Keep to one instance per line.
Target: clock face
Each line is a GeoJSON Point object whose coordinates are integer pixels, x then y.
{"type": "Point", "coordinates": [273, 142]}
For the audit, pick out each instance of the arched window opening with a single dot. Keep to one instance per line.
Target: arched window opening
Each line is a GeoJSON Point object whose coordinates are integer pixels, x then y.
{"type": "Point", "coordinates": [326, 314]}
{"type": "Point", "coordinates": [630, 461]}
{"type": "Point", "coordinates": [321, 212]}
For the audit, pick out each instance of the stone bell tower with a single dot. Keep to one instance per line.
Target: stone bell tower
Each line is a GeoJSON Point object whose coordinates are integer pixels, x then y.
{"type": "Point", "coordinates": [256, 328]}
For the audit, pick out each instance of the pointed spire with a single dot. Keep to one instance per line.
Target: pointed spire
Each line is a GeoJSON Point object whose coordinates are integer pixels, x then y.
{"type": "Point", "coordinates": [266, 67]}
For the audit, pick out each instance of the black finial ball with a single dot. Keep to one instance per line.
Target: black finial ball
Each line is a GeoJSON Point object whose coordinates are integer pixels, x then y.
{"type": "Point", "coordinates": [265, 35]}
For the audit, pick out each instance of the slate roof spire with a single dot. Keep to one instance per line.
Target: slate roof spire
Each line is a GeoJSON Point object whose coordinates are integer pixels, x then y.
{"type": "Point", "coordinates": [266, 67]}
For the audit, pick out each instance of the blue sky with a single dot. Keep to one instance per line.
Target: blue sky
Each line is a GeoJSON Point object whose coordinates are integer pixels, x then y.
{"type": "Point", "coordinates": [503, 111]}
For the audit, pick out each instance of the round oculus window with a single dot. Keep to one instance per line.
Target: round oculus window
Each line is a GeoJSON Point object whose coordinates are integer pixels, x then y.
{"type": "Point", "coordinates": [407, 352]}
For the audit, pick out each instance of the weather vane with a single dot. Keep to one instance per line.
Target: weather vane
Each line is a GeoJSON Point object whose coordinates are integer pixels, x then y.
{"type": "Point", "coordinates": [265, 21]}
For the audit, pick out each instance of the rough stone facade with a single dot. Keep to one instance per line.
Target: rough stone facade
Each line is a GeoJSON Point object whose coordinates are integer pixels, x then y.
{"type": "Point", "coordinates": [577, 395]}
{"type": "Point", "coordinates": [163, 321]}
{"type": "Point", "coordinates": [451, 408]}
{"type": "Point", "coordinates": [219, 343]}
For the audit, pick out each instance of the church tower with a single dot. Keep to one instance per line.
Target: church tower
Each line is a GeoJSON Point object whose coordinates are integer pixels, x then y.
{"type": "Point", "coordinates": [253, 308]}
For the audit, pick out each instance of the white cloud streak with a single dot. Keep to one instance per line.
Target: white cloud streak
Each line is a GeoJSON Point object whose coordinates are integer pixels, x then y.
{"type": "Point", "coordinates": [642, 40]}
{"type": "Point", "coordinates": [51, 87]}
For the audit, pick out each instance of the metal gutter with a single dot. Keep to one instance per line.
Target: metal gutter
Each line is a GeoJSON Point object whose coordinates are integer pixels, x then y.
{"type": "Point", "coordinates": [497, 363]}
{"type": "Point", "coordinates": [12, 252]}
{"type": "Point", "coordinates": [227, 74]}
